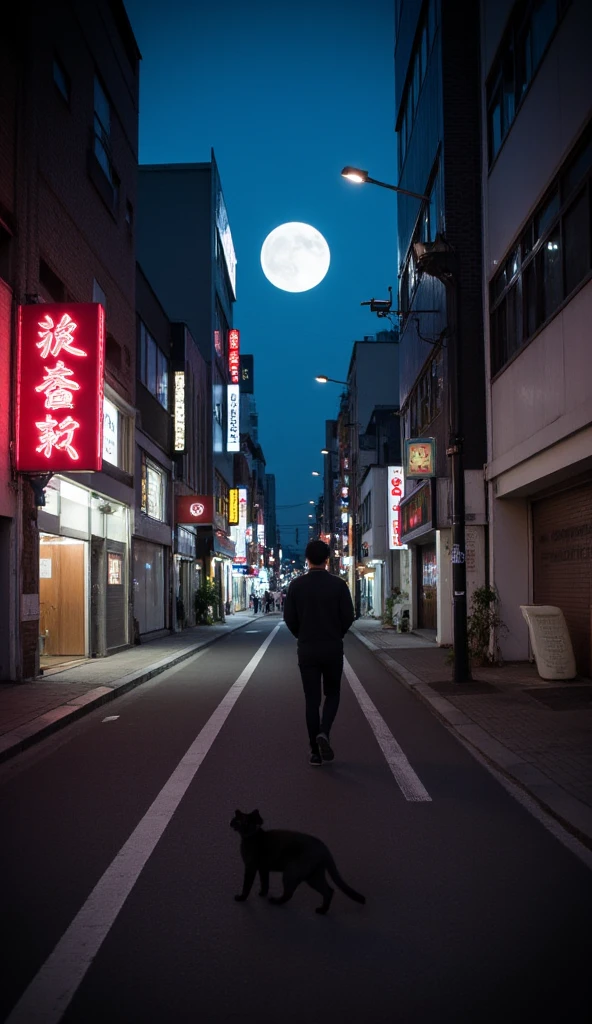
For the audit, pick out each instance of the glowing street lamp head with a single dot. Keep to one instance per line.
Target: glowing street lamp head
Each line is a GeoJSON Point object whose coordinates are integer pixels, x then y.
{"type": "Point", "coordinates": [322, 379]}
{"type": "Point", "coordinates": [314, 473]}
{"type": "Point", "coordinates": [311, 502]}
{"type": "Point", "coordinates": [324, 451]}
{"type": "Point", "coordinates": [354, 174]}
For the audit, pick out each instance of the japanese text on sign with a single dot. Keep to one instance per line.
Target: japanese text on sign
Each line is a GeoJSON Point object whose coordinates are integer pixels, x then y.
{"type": "Point", "coordinates": [60, 387]}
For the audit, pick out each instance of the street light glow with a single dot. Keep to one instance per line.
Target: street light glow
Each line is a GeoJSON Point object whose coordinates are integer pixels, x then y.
{"type": "Point", "coordinates": [354, 174]}
{"type": "Point", "coordinates": [321, 379]}
{"type": "Point", "coordinates": [324, 451]}
{"type": "Point", "coordinates": [314, 473]}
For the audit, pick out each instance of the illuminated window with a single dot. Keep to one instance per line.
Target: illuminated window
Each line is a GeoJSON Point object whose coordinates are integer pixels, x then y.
{"type": "Point", "coordinates": [153, 502]}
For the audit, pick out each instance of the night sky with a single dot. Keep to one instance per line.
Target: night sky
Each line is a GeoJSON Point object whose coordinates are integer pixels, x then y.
{"type": "Point", "coordinates": [286, 95]}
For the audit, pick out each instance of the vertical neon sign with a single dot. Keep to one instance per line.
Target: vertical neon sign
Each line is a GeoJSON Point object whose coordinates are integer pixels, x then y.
{"type": "Point", "coordinates": [60, 379]}
{"type": "Point", "coordinates": [234, 355]}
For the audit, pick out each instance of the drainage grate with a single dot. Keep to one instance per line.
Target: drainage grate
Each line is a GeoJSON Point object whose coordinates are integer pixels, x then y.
{"type": "Point", "coordinates": [477, 688]}
{"type": "Point", "coordinates": [563, 698]}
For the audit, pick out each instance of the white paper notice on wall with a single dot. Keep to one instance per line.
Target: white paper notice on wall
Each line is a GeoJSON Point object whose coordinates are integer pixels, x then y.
{"type": "Point", "coordinates": [45, 568]}
{"type": "Point", "coordinates": [550, 640]}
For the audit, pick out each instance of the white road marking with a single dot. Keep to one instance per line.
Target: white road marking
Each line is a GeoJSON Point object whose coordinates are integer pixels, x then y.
{"type": "Point", "coordinates": [408, 782]}
{"type": "Point", "coordinates": [111, 718]}
{"type": "Point", "coordinates": [53, 987]}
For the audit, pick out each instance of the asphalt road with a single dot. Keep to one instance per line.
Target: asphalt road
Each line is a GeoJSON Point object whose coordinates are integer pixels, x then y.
{"type": "Point", "coordinates": [119, 867]}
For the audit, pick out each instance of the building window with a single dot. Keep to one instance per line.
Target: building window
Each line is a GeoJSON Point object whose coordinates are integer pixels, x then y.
{"type": "Point", "coordinates": [417, 68]}
{"type": "Point", "coordinates": [551, 259]}
{"type": "Point", "coordinates": [427, 397]}
{"type": "Point", "coordinates": [99, 295]}
{"type": "Point", "coordinates": [102, 143]}
{"type": "Point", "coordinates": [154, 367]}
{"type": "Point", "coordinates": [153, 490]}
{"type": "Point", "coordinates": [221, 496]}
{"type": "Point", "coordinates": [61, 79]}
{"type": "Point", "coordinates": [525, 41]}
{"type": "Point", "coordinates": [427, 226]}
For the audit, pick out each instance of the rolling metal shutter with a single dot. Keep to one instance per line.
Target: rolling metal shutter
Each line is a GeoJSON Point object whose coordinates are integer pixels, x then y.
{"type": "Point", "coordinates": [562, 563]}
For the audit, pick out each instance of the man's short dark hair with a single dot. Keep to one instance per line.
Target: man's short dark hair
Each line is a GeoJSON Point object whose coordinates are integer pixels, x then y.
{"type": "Point", "coordinates": [317, 552]}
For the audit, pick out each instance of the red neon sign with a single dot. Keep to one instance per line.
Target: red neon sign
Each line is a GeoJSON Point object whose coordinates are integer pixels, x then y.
{"type": "Point", "coordinates": [234, 355]}
{"type": "Point", "coordinates": [59, 419]}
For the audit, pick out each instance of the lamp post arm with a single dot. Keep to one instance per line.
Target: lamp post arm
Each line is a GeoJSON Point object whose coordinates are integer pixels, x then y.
{"type": "Point", "coordinates": [395, 188]}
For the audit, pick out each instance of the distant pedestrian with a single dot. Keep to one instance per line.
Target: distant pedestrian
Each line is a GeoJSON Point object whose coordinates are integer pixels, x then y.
{"type": "Point", "coordinates": [318, 610]}
{"type": "Point", "coordinates": [268, 602]}
{"type": "Point", "coordinates": [255, 604]}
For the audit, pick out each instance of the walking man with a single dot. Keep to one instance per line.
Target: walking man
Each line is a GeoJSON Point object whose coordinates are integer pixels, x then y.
{"type": "Point", "coordinates": [318, 610]}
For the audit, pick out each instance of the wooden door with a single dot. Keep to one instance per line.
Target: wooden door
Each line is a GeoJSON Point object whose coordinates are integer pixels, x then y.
{"type": "Point", "coordinates": [428, 582]}
{"type": "Point", "coordinates": [61, 596]}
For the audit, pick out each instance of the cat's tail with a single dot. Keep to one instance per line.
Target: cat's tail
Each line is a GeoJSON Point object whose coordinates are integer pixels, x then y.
{"type": "Point", "coordinates": [339, 882]}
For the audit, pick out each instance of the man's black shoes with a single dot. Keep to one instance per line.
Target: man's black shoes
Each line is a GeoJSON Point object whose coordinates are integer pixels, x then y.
{"type": "Point", "coordinates": [325, 747]}
{"type": "Point", "coordinates": [315, 758]}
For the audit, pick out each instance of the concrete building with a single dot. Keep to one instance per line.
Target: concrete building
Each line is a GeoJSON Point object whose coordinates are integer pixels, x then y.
{"type": "Point", "coordinates": [153, 519]}
{"type": "Point", "coordinates": [185, 247]}
{"type": "Point", "coordinates": [68, 168]}
{"type": "Point", "coordinates": [191, 459]}
{"type": "Point", "coordinates": [437, 87]}
{"type": "Point", "coordinates": [372, 379]}
{"type": "Point", "coordinates": [536, 79]}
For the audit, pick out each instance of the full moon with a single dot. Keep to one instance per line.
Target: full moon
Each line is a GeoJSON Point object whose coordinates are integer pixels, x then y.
{"type": "Point", "coordinates": [295, 257]}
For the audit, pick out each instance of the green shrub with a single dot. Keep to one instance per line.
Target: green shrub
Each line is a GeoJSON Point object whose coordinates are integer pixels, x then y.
{"type": "Point", "coordinates": [207, 602]}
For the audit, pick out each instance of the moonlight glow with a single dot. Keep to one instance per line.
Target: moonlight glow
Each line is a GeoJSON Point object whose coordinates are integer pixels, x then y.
{"type": "Point", "coordinates": [295, 257]}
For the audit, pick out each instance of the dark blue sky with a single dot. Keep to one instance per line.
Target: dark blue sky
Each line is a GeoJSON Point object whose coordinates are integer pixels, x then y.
{"type": "Point", "coordinates": [286, 95]}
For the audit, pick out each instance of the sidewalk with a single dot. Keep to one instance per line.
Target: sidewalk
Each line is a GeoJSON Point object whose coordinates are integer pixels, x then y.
{"type": "Point", "coordinates": [537, 733]}
{"type": "Point", "coordinates": [31, 711]}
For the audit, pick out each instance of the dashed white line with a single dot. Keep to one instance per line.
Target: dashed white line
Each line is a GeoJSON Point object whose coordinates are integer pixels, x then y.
{"type": "Point", "coordinates": [408, 782]}
{"type": "Point", "coordinates": [53, 987]}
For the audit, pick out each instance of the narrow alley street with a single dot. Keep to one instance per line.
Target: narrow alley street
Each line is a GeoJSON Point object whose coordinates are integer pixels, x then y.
{"type": "Point", "coordinates": [121, 867]}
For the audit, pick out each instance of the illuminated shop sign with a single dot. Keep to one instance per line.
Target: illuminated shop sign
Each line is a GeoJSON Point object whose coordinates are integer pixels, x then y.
{"type": "Point", "coordinates": [234, 355]}
{"type": "Point", "coordinates": [110, 433]}
{"type": "Point", "coordinates": [60, 376]}
{"type": "Point", "coordinates": [179, 410]}
{"type": "Point", "coordinates": [233, 506]}
{"type": "Point", "coordinates": [418, 512]}
{"type": "Point", "coordinates": [420, 457]}
{"type": "Point", "coordinates": [226, 240]}
{"type": "Point", "coordinates": [194, 508]}
{"type": "Point", "coordinates": [394, 495]}
{"type": "Point", "coordinates": [247, 375]}
{"type": "Point", "coordinates": [261, 534]}
{"type": "Point", "coordinates": [233, 435]}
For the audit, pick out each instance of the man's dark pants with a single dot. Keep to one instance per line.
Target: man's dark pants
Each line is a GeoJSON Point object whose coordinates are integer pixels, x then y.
{"type": "Point", "coordinates": [321, 666]}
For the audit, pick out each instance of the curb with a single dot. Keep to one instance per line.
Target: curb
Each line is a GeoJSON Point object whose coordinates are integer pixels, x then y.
{"type": "Point", "coordinates": [568, 811]}
{"type": "Point", "coordinates": [25, 736]}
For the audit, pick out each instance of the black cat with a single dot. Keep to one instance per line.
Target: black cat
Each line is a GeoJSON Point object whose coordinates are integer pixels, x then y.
{"type": "Point", "coordinates": [300, 857]}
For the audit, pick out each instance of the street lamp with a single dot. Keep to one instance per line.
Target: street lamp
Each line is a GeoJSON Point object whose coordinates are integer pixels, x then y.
{"type": "Point", "coordinates": [438, 259]}
{"type": "Point", "coordinates": [363, 178]}
{"type": "Point", "coordinates": [311, 502]}
{"type": "Point", "coordinates": [314, 473]}
{"type": "Point", "coordinates": [324, 451]}
{"type": "Point", "coordinates": [322, 379]}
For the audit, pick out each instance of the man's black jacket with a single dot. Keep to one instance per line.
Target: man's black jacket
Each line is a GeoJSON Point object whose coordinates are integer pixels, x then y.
{"type": "Point", "coordinates": [318, 608]}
